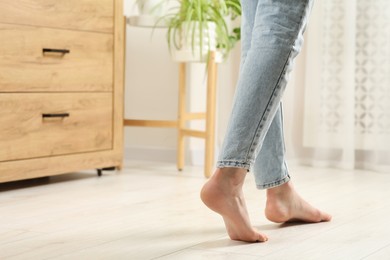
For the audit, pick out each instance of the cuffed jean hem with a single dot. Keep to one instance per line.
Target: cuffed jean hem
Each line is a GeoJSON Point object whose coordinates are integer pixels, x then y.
{"type": "Point", "coordinates": [235, 164]}
{"type": "Point", "coordinates": [274, 184]}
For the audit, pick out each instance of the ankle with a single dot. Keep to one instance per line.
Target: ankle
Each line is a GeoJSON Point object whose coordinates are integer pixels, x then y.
{"type": "Point", "coordinates": [280, 191]}
{"type": "Point", "coordinates": [230, 175]}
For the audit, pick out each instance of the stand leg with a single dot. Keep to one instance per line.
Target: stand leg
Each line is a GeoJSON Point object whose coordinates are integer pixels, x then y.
{"type": "Point", "coordinates": [210, 115]}
{"type": "Point", "coordinates": [100, 171]}
{"type": "Point", "coordinates": [181, 120]}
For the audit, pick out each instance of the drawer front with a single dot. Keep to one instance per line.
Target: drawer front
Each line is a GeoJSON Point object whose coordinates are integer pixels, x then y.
{"type": "Point", "coordinates": [42, 59]}
{"type": "Point", "coordinates": [88, 15]}
{"type": "Point", "coordinates": [45, 124]}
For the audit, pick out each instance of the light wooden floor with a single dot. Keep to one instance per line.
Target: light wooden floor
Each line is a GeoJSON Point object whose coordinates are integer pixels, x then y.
{"type": "Point", "coordinates": [152, 211]}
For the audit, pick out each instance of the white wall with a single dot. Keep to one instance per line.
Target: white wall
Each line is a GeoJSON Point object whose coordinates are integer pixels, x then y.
{"type": "Point", "coordinates": [151, 93]}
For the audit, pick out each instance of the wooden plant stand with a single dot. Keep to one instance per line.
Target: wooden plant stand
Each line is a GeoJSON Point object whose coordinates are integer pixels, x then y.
{"type": "Point", "coordinates": [183, 116]}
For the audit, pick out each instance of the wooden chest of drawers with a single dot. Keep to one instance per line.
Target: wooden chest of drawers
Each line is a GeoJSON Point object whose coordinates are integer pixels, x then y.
{"type": "Point", "coordinates": [61, 86]}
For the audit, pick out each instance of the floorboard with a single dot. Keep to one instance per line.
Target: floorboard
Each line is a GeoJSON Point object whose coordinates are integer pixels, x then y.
{"type": "Point", "coordinates": [151, 211]}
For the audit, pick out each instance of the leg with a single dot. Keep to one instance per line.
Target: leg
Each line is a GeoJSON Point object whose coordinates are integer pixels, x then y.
{"type": "Point", "coordinates": [276, 40]}
{"type": "Point", "coordinates": [283, 202]}
{"type": "Point", "coordinates": [270, 167]}
{"type": "Point", "coordinates": [210, 114]}
{"type": "Point", "coordinates": [181, 120]}
{"type": "Point", "coordinates": [218, 188]}
{"type": "Point", "coordinates": [271, 156]}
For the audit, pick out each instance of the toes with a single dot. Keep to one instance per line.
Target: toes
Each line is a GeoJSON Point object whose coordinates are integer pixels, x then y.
{"type": "Point", "coordinates": [317, 216]}
{"type": "Point", "coordinates": [326, 217]}
{"type": "Point", "coordinates": [253, 236]}
{"type": "Point", "coordinates": [320, 216]}
{"type": "Point", "coordinates": [261, 238]}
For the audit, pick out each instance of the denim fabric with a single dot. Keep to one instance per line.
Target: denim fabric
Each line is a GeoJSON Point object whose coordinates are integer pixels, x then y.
{"type": "Point", "coordinates": [271, 38]}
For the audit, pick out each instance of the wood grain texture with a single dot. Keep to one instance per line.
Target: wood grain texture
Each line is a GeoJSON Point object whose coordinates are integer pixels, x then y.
{"type": "Point", "coordinates": [88, 15]}
{"type": "Point", "coordinates": [24, 67]}
{"type": "Point", "coordinates": [151, 123]}
{"type": "Point", "coordinates": [119, 77]}
{"type": "Point", "coordinates": [24, 133]}
{"type": "Point", "coordinates": [181, 123]}
{"type": "Point", "coordinates": [87, 83]}
{"type": "Point", "coordinates": [210, 114]}
{"type": "Point", "coordinates": [55, 165]}
{"type": "Point", "coordinates": [150, 211]}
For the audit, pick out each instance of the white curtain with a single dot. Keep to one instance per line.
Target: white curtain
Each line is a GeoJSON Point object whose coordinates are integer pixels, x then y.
{"type": "Point", "coordinates": [337, 104]}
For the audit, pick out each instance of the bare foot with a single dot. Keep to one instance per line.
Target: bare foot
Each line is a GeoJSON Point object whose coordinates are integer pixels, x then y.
{"type": "Point", "coordinates": [223, 194]}
{"type": "Point", "coordinates": [285, 205]}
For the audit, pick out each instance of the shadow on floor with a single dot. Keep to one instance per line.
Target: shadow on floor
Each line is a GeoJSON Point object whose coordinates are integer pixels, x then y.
{"type": "Point", "coordinates": [36, 182]}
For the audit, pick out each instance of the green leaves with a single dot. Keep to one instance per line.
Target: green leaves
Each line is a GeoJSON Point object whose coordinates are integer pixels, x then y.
{"type": "Point", "coordinates": [204, 11]}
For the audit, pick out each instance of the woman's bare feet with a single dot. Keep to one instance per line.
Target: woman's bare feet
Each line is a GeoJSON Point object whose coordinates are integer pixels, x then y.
{"type": "Point", "coordinates": [223, 194]}
{"type": "Point", "coordinates": [285, 205]}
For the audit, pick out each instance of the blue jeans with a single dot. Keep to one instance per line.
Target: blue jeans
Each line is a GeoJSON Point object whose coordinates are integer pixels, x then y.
{"type": "Point", "coordinates": [271, 38]}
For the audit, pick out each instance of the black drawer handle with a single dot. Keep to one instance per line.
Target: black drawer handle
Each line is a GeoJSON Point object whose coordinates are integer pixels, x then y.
{"type": "Point", "coordinates": [55, 115]}
{"type": "Point", "coordinates": [61, 51]}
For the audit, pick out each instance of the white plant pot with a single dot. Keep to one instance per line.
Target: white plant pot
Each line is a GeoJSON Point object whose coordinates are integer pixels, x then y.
{"type": "Point", "coordinates": [152, 7]}
{"type": "Point", "coordinates": [187, 52]}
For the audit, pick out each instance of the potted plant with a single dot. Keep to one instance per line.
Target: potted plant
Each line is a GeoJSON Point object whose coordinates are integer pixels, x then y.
{"type": "Point", "coordinates": [149, 11]}
{"type": "Point", "coordinates": [154, 8]}
{"type": "Point", "coordinates": [234, 10]}
{"type": "Point", "coordinates": [199, 26]}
